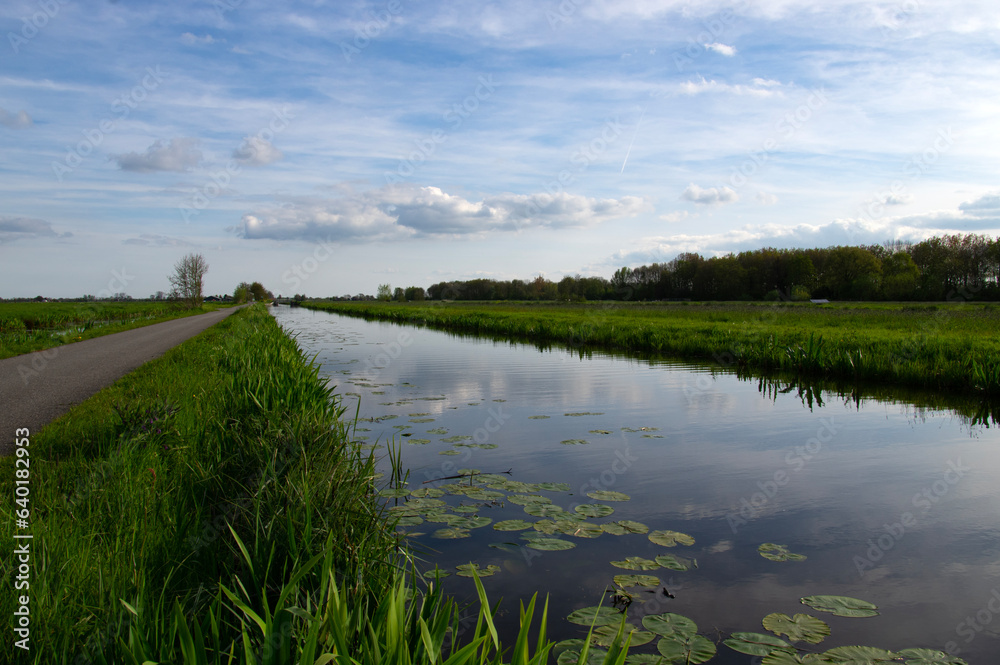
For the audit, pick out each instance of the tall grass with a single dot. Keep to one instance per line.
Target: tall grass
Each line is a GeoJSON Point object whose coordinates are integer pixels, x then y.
{"type": "Point", "coordinates": [946, 346]}
{"type": "Point", "coordinates": [212, 508]}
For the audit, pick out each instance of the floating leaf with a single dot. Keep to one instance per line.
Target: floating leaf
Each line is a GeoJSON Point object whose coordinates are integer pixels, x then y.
{"type": "Point", "coordinates": [842, 606]}
{"type": "Point", "coordinates": [855, 655]}
{"type": "Point", "coordinates": [637, 580]}
{"type": "Point", "coordinates": [574, 644]}
{"type": "Point", "coordinates": [585, 413]}
{"type": "Point", "coordinates": [443, 518]}
{"type": "Point", "coordinates": [423, 503]}
{"type": "Point", "coordinates": [437, 430]}
{"type": "Point", "coordinates": [450, 534]}
{"type": "Point", "coordinates": [782, 657]}
{"type": "Point", "coordinates": [512, 525]}
{"type": "Point", "coordinates": [594, 510]}
{"type": "Point", "coordinates": [457, 438]}
{"type": "Point", "coordinates": [421, 420]}
{"type": "Point", "coordinates": [621, 527]}
{"type": "Point", "coordinates": [449, 452]}
{"type": "Point", "coordinates": [543, 509]}
{"type": "Point", "coordinates": [418, 442]}
{"type": "Point", "coordinates": [427, 492]}
{"type": "Point", "coordinates": [636, 563]}
{"type": "Point", "coordinates": [550, 544]}
{"type": "Point", "coordinates": [468, 569]}
{"type": "Point", "coordinates": [579, 529]}
{"type": "Point", "coordinates": [538, 417]}
{"type": "Point", "coordinates": [471, 522]}
{"type": "Point", "coordinates": [597, 616]}
{"type": "Point", "coordinates": [693, 650]}
{"type": "Point", "coordinates": [548, 527]}
{"type": "Point", "coordinates": [644, 659]}
{"type": "Point", "coordinates": [670, 538]}
{"type": "Point", "coordinates": [409, 520]}
{"type": "Point", "coordinates": [670, 625]}
{"type": "Point", "coordinates": [574, 442]}
{"type": "Point", "coordinates": [506, 547]}
{"type": "Point", "coordinates": [528, 499]}
{"type": "Point", "coordinates": [756, 644]}
{"type": "Point", "coordinates": [928, 657]}
{"type": "Point", "coordinates": [595, 656]}
{"type": "Point", "coordinates": [394, 493]}
{"type": "Point", "coordinates": [674, 562]}
{"type": "Point", "coordinates": [483, 495]}
{"type": "Point", "coordinates": [652, 436]}
{"type": "Point", "coordinates": [608, 495]}
{"type": "Point", "coordinates": [466, 510]}
{"type": "Point", "coordinates": [778, 553]}
{"type": "Point", "coordinates": [801, 627]}
{"type": "Point", "coordinates": [554, 487]}
{"type": "Point", "coordinates": [604, 635]}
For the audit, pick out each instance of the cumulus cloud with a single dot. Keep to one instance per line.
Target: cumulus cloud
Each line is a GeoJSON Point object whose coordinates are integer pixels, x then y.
{"type": "Point", "coordinates": [18, 120]}
{"type": "Point", "coordinates": [155, 240]}
{"type": "Point", "coordinates": [17, 228]}
{"type": "Point", "coordinates": [721, 49]}
{"type": "Point", "coordinates": [257, 151]}
{"type": "Point", "coordinates": [177, 155]}
{"type": "Point", "coordinates": [710, 196]}
{"type": "Point", "coordinates": [402, 211]}
{"type": "Point", "coordinates": [986, 205]}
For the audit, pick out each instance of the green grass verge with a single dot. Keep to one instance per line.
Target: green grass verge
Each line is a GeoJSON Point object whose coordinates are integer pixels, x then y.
{"type": "Point", "coordinates": [28, 327]}
{"type": "Point", "coordinates": [951, 346]}
{"type": "Point", "coordinates": [211, 507]}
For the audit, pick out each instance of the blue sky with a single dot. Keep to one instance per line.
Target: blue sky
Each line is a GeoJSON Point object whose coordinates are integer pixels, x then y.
{"type": "Point", "coordinates": [328, 147]}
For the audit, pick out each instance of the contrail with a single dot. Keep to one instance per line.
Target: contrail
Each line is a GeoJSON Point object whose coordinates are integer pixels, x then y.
{"type": "Point", "coordinates": [629, 151]}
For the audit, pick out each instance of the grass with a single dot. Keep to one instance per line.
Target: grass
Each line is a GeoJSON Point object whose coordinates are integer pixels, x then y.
{"type": "Point", "coordinates": [35, 326]}
{"type": "Point", "coordinates": [949, 346]}
{"type": "Point", "coordinates": [211, 507]}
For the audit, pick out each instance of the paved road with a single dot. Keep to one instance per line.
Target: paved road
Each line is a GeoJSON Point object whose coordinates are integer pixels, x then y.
{"type": "Point", "coordinates": [38, 387]}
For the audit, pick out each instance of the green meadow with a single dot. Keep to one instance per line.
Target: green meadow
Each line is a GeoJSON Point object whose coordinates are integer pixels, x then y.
{"type": "Point", "coordinates": [949, 346]}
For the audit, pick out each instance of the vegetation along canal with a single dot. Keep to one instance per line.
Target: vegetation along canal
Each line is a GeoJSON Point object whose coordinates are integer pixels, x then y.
{"type": "Point", "coordinates": [667, 488]}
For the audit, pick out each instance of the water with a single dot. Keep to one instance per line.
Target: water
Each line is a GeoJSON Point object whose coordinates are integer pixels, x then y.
{"type": "Point", "coordinates": [890, 503]}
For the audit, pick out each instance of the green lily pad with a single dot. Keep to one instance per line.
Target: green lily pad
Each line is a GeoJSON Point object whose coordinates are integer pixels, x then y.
{"type": "Point", "coordinates": [438, 431]}
{"type": "Point", "coordinates": [857, 655]}
{"type": "Point", "coordinates": [468, 569]}
{"type": "Point", "coordinates": [621, 527]}
{"type": "Point", "coordinates": [670, 625]}
{"type": "Point", "coordinates": [595, 656]}
{"type": "Point", "coordinates": [421, 420]}
{"type": "Point", "coordinates": [418, 442]}
{"type": "Point", "coordinates": [543, 509]}
{"type": "Point", "coordinates": [800, 628]}
{"type": "Point", "coordinates": [596, 616]}
{"type": "Point", "coordinates": [637, 580]}
{"type": "Point", "coordinates": [636, 563]}
{"type": "Point", "coordinates": [574, 442]}
{"type": "Point", "coordinates": [585, 413]}
{"type": "Point", "coordinates": [538, 417]}
{"type": "Point", "coordinates": [554, 487]}
{"type": "Point", "coordinates": [579, 528]}
{"type": "Point", "coordinates": [512, 525]}
{"type": "Point", "coordinates": [550, 544]}
{"type": "Point", "coordinates": [608, 495]}
{"type": "Point", "coordinates": [506, 547]}
{"type": "Point", "coordinates": [783, 657]}
{"type": "Point", "coordinates": [472, 522]}
{"type": "Point", "coordinates": [928, 657]}
{"type": "Point", "coordinates": [670, 538]}
{"type": "Point", "coordinates": [672, 562]}
{"type": "Point", "coordinates": [409, 520]}
{"type": "Point", "coordinates": [394, 493]}
{"type": "Point", "coordinates": [483, 495]}
{"type": "Point", "coordinates": [528, 499]}
{"type": "Point", "coordinates": [457, 438]}
{"type": "Point", "coordinates": [594, 510]}
{"type": "Point", "coordinates": [691, 651]}
{"type": "Point", "coordinates": [438, 517]}
{"type": "Point", "coordinates": [425, 492]}
{"type": "Point", "coordinates": [449, 452]}
{"type": "Point", "coordinates": [548, 527]}
{"type": "Point", "coordinates": [756, 644]}
{"type": "Point", "coordinates": [604, 636]}
{"type": "Point", "coordinates": [466, 510]}
{"type": "Point", "coordinates": [778, 553]}
{"type": "Point", "coordinates": [450, 534]}
{"type": "Point", "coordinates": [644, 659]}
{"type": "Point", "coordinates": [423, 503]}
{"type": "Point", "coordinates": [842, 606]}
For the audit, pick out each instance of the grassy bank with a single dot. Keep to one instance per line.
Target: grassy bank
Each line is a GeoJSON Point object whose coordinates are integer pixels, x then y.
{"type": "Point", "coordinates": [950, 346]}
{"type": "Point", "coordinates": [35, 326]}
{"type": "Point", "coordinates": [211, 508]}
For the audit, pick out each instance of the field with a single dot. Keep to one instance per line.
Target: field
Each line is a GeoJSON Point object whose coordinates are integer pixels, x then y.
{"type": "Point", "coordinates": [949, 346]}
{"type": "Point", "coordinates": [34, 326]}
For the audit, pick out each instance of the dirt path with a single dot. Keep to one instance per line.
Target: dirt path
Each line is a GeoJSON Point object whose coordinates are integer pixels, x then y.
{"type": "Point", "coordinates": [36, 388]}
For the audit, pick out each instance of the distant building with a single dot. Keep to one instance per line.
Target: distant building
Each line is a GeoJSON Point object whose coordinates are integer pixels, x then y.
{"type": "Point", "coordinates": [819, 301]}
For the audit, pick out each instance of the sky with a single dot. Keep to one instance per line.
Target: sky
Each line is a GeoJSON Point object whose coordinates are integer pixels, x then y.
{"type": "Point", "coordinates": [328, 147]}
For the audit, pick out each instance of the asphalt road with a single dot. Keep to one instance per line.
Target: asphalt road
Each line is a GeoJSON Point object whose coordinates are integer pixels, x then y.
{"type": "Point", "coordinates": [36, 388]}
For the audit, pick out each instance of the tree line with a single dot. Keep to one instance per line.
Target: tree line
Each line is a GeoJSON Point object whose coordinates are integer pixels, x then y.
{"type": "Point", "coordinates": [948, 267]}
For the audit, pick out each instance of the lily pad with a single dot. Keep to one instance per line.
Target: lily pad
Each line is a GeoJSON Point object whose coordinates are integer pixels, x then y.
{"type": "Point", "coordinates": [636, 563]}
{"type": "Point", "coordinates": [418, 442]}
{"type": "Point", "coordinates": [471, 522]}
{"type": "Point", "coordinates": [438, 431]}
{"type": "Point", "coordinates": [449, 452]}
{"type": "Point", "coordinates": [857, 655]}
{"type": "Point", "coordinates": [421, 420]}
{"type": "Point", "coordinates": [506, 547]}
{"type": "Point", "coordinates": [672, 562]}
{"type": "Point", "coordinates": [451, 533]}
{"type": "Point", "coordinates": [550, 544]}
{"type": "Point", "coordinates": [756, 644]}
{"type": "Point", "coordinates": [409, 520]}
{"type": "Point", "coordinates": [842, 606]}
{"type": "Point", "coordinates": [600, 431]}
{"type": "Point", "coordinates": [594, 510]}
{"type": "Point", "coordinates": [466, 510]}
{"type": "Point", "coordinates": [928, 657]}
{"type": "Point", "coordinates": [543, 509]}
{"type": "Point", "coordinates": [538, 417]}
{"type": "Point", "coordinates": [554, 487]}
{"type": "Point", "coordinates": [579, 529]}
{"type": "Point", "coordinates": [596, 616]}
{"type": "Point", "coordinates": [574, 442]}
{"type": "Point", "coordinates": [528, 499]}
{"type": "Point", "coordinates": [670, 625]}
{"type": "Point", "coordinates": [604, 636]}
{"type": "Point", "coordinates": [548, 527]}
{"type": "Point", "coordinates": [637, 580]}
{"type": "Point", "coordinates": [670, 538]}
{"type": "Point", "coordinates": [608, 495]}
{"type": "Point", "coordinates": [512, 525]}
{"type": "Point", "coordinates": [691, 651]}
{"type": "Point", "coordinates": [778, 553]}
{"type": "Point", "coordinates": [621, 527]}
{"type": "Point", "coordinates": [800, 628]}
{"type": "Point", "coordinates": [585, 413]}
{"type": "Point", "coordinates": [457, 438]}
{"type": "Point", "coordinates": [394, 493]}
{"type": "Point", "coordinates": [468, 569]}
{"type": "Point", "coordinates": [595, 656]}
{"type": "Point", "coordinates": [483, 495]}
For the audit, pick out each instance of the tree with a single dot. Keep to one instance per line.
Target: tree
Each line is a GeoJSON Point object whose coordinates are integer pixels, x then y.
{"type": "Point", "coordinates": [259, 293]}
{"type": "Point", "coordinates": [242, 293]}
{"type": "Point", "coordinates": [188, 279]}
{"type": "Point", "coordinates": [384, 292]}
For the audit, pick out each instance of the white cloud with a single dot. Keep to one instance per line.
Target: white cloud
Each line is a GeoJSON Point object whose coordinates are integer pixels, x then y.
{"type": "Point", "coordinates": [178, 155]}
{"type": "Point", "coordinates": [17, 228]}
{"type": "Point", "coordinates": [760, 87]}
{"type": "Point", "coordinates": [988, 204]}
{"type": "Point", "coordinates": [191, 39]}
{"type": "Point", "coordinates": [152, 239]}
{"type": "Point", "coordinates": [710, 196]}
{"type": "Point", "coordinates": [18, 120]}
{"type": "Point", "coordinates": [721, 49]}
{"type": "Point", "coordinates": [766, 198]}
{"type": "Point", "coordinates": [256, 151]}
{"type": "Point", "coordinates": [678, 216]}
{"type": "Point", "coordinates": [400, 211]}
